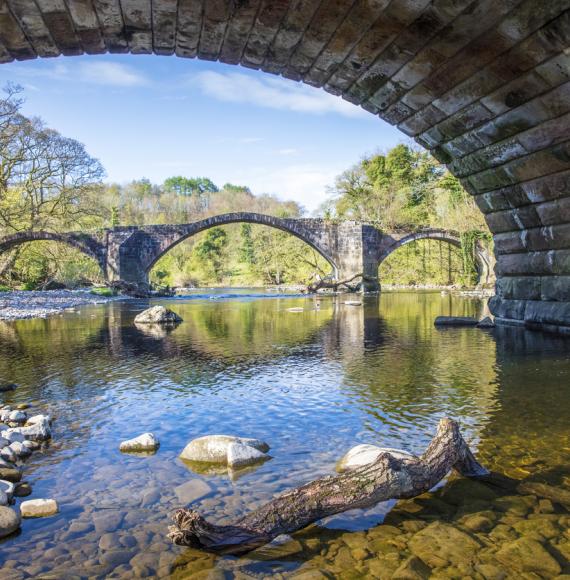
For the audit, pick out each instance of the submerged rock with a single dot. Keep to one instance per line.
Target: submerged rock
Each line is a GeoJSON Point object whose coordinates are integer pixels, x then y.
{"type": "Point", "coordinates": [38, 508]}
{"type": "Point", "coordinates": [6, 387]}
{"type": "Point", "coordinates": [144, 442]}
{"type": "Point", "coordinates": [192, 490]}
{"type": "Point", "coordinates": [455, 321]}
{"type": "Point", "coordinates": [10, 473]}
{"type": "Point", "coordinates": [240, 455]}
{"type": "Point", "coordinates": [157, 315]}
{"type": "Point", "coordinates": [22, 489]}
{"type": "Point", "coordinates": [214, 448]}
{"type": "Point", "coordinates": [9, 521]}
{"type": "Point", "coordinates": [527, 555]}
{"type": "Point", "coordinates": [365, 454]}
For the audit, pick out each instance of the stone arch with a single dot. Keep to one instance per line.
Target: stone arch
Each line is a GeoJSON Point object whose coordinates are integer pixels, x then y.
{"type": "Point", "coordinates": [86, 244]}
{"type": "Point", "coordinates": [168, 237]}
{"type": "Point", "coordinates": [483, 260]}
{"type": "Point", "coordinates": [485, 86]}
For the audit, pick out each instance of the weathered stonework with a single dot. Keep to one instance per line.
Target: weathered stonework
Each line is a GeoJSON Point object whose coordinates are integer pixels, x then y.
{"type": "Point", "coordinates": [483, 84]}
{"type": "Point", "coordinates": [352, 249]}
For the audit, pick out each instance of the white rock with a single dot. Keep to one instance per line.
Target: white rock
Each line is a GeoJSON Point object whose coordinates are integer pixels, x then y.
{"type": "Point", "coordinates": [353, 302]}
{"type": "Point", "coordinates": [7, 488]}
{"type": "Point", "coordinates": [38, 419]}
{"type": "Point", "coordinates": [39, 431]}
{"type": "Point", "coordinates": [365, 454]}
{"type": "Point", "coordinates": [192, 490]}
{"type": "Point", "coordinates": [17, 417]}
{"type": "Point", "coordinates": [20, 449]}
{"type": "Point", "coordinates": [240, 455]}
{"type": "Point", "coordinates": [157, 315]}
{"type": "Point", "coordinates": [214, 448]}
{"type": "Point", "coordinates": [38, 508]}
{"type": "Point", "coordinates": [12, 435]}
{"type": "Point", "coordinates": [8, 454]}
{"type": "Point", "coordinates": [144, 442]}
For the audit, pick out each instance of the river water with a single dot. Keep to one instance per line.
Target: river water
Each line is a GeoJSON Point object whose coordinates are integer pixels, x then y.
{"type": "Point", "coordinates": [312, 384]}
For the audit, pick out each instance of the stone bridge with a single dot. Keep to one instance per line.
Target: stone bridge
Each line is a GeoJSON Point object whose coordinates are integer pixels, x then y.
{"type": "Point", "coordinates": [352, 249]}
{"type": "Point", "coordinates": [483, 84]}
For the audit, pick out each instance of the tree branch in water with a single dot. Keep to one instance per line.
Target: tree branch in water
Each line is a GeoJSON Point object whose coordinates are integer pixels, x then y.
{"type": "Point", "coordinates": [388, 477]}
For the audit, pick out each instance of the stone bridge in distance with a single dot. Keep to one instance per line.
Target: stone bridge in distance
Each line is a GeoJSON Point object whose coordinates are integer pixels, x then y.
{"type": "Point", "coordinates": [128, 253]}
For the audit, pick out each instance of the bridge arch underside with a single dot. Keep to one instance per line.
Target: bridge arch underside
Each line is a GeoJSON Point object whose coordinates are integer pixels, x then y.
{"type": "Point", "coordinates": [482, 259]}
{"type": "Point", "coordinates": [85, 244]}
{"type": "Point", "coordinates": [157, 241]}
{"type": "Point", "coordinates": [484, 85]}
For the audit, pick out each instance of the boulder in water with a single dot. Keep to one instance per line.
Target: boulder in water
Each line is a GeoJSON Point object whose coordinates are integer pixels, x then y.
{"type": "Point", "coordinates": [214, 448]}
{"type": "Point", "coordinates": [158, 315]}
{"type": "Point", "coordinates": [144, 442]}
{"type": "Point", "coordinates": [6, 387]}
{"type": "Point", "coordinates": [38, 508]}
{"type": "Point", "coordinates": [365, 454]}
{"type": "Point", "coordinates": [9, 521]}
{"type": "Point", "coordinates": [455, 321]}
{"type": "Point", "coordinates": [240, 455]}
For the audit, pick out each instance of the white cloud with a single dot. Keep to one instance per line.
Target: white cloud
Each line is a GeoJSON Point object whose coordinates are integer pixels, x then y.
{"type": "Point", "coordinates": [103, 73]}
{"type": "Point", "coordinates": [304, 183]}
{"type": "Point", "coordinates": [288, 151]}
{"type": "Point", "coordinates": [274, 93]}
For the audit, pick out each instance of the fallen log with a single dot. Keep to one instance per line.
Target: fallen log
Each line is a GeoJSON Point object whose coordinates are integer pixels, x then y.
{"type": "Point", "coordinates": [388, 477]}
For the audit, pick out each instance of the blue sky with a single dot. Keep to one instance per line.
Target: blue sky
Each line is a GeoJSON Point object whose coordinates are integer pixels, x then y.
{"type": "Point", "coordinates": [150, 116]}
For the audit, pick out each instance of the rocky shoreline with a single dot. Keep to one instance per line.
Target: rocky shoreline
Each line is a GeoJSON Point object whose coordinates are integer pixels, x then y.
{"type": "Point", "coordinates": [18, 305]}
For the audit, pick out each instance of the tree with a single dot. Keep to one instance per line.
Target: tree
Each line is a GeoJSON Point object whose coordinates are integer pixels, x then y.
{"type": "Point", "coordinates": [210, 249]}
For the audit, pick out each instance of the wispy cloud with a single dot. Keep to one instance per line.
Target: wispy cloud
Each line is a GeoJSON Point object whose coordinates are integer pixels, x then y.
{"type": "Point", "coordinates": [274, 93]}
{"type": "Point", "coordinates": [104, 73]}
{"type": "Point", "coordinates": [288, 151]}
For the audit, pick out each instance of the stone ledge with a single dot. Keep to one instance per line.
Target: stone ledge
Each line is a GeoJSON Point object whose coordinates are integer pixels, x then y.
{"type": "Point", "coordinates": [533, 314]}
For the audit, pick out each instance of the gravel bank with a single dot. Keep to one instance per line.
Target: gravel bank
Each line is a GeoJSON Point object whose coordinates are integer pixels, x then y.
{"type": "Point", "coordinates": [16, 305]}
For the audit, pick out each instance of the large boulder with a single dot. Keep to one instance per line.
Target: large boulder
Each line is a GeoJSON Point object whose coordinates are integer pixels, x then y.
{"type": "Point", "coordinates": [157, 315]}
{"type": "Point", "coordinates": [9, 521]}
{"type": "Point", "coordinates": [365, 454]}
{"type": "Point", "coordinates": [144, 442]}
{"type": "Point", "coordinates": [215, 448]}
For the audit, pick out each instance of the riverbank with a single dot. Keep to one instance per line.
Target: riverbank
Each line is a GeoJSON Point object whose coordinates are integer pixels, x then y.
{"type": "Point", "coordinates": [17, 304]}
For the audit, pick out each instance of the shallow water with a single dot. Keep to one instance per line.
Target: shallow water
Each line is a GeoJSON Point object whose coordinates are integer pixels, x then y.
{"type": "Point", "coordinates": [312, 384]}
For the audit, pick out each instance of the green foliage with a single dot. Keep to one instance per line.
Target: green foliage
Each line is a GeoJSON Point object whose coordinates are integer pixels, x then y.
{"type": "Point", "coordinates": [4, 288]}
{"type": "Point", "coordinates": [103, 291]}
{"type": "Point", "coordinates": [189, 185]}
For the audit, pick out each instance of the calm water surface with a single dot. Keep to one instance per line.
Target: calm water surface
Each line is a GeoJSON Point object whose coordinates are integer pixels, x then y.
{"type": "Point", "coordinates": [312, 384]}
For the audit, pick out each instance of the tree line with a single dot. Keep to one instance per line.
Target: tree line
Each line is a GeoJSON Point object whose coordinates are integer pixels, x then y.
{"type": "Point", "coordinates": [50, 182]}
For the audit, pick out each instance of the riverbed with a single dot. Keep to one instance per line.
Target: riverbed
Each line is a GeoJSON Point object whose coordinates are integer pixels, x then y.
{"type": "Point", "coordinates": [312, 384]}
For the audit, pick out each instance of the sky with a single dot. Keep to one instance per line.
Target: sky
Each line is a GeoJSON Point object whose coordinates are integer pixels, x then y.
{"type": "Point", "coordinates": [154, 117]}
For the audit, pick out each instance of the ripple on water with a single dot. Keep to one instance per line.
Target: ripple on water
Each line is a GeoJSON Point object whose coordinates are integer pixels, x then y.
{"type": "Point", "coordinates": [313, 385]}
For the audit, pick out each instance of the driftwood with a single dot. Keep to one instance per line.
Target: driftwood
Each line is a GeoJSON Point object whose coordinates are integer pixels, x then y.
{"type": "Point", "coordinates": [389, 477]}
{"type": "Point", "coordinates": [329, 284]}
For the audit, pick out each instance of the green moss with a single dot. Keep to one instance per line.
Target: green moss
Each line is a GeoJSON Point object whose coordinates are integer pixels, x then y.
{"type": "Point", "coordinates": [108, 292]}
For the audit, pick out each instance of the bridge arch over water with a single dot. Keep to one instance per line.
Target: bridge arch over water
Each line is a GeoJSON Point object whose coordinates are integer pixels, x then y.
{"type": "Point", "coordinates": [86, 243]}
{"type": "Point", "coordinates": [484, 85]}
{"type": "Point", "coordinates": [170, 236]}
{"type": "Point", "coordinates": [483, 261]}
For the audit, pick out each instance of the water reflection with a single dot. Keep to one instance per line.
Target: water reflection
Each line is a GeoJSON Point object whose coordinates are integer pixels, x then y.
{"type": "Point", "coordinates": [312, 384]}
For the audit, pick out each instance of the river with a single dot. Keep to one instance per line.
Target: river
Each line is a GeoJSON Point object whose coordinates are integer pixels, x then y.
{"type": "Point", "coordinates": [312, 384]}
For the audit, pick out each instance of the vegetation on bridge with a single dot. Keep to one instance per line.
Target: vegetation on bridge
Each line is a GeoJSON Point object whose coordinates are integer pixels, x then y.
{"type": "Point", "coordinates": [50, 182]}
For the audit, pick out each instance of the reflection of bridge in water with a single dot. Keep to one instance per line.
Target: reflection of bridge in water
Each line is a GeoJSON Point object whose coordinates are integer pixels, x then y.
{"type": "Point", "coordinates": [352, 249]}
